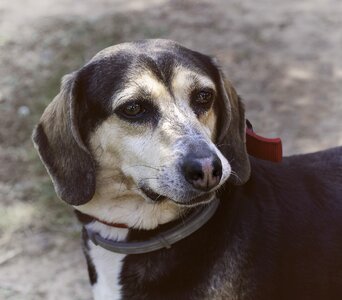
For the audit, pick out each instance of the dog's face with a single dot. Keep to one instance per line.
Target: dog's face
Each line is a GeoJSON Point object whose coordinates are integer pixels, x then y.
{"type": "Point", "coordinates": [142, 131]}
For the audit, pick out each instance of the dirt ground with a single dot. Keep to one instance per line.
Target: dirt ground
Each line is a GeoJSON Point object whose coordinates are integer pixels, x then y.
{"type": "Point", "coordinates": [284, 57]}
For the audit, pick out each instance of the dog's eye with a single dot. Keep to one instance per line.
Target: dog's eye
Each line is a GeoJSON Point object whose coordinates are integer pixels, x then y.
{"type": "Point", "coordinates": [204, 97]}
{"type": "Point", "coordinates": [133, 110]}
{"type": "Point", "coordinates": [201, 100]}
{"type": "Point", "coordinates": [138, 111]}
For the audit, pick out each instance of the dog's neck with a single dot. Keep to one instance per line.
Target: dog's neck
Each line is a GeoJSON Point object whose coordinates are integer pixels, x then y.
{"type": "Point", "coordinates": [163, 237]}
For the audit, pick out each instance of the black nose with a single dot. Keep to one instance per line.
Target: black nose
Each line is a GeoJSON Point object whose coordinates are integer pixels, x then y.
{"type": "Point", "coordinates": [202, 173]}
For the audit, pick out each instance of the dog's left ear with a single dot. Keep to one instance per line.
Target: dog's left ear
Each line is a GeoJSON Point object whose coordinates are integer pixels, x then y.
{"type": "Point", "coordinates": [59, 143]}
{"type": "Point", "coordinates": [231, 131]}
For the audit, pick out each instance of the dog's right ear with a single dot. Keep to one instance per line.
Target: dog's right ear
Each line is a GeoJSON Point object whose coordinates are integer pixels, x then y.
{"type": "Point", "coordinates": [231, 134]}
{"type": "Point", "coordinates": [57, 139]}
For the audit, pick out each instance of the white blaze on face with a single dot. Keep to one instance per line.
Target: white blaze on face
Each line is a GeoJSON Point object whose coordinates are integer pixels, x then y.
{"type": "Point", "coordinates": [184, 80]}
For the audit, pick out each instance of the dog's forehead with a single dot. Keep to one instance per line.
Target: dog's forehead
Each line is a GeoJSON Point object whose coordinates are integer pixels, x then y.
{"type": "Point", "coordinates": [161, 58]}
{"type": "Point", "coordinates": [145, 84]}
{"type": "Point", "coordinates": [159, 67]}
{"type": "Point", "coordinates": [157, 48]}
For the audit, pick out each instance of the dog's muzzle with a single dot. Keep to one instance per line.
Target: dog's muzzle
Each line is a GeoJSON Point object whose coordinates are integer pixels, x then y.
{"type": "Point", "coordinates": [196, 174]}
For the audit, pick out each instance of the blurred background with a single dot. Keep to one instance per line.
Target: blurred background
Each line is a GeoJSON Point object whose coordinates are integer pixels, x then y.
{"type": "Point", "coordinates": [284, 58]}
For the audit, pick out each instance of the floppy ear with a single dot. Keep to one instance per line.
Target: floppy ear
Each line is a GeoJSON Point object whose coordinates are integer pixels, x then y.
{"type": "Point", "coordinates": [231, 135]}
{"type": "Point", "coordinates": [57, 139]}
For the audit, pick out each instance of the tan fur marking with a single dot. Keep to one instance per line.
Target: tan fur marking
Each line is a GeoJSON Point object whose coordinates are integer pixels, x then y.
{"type": "Point", "coordinates": [147, 82]}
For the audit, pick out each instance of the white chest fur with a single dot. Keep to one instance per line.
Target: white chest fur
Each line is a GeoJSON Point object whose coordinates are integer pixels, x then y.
{"type": "Point", "coordinates": [108, 265]}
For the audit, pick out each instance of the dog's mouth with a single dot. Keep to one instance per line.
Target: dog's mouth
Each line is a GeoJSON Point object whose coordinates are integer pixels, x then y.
{"type": "Point", "coordinates": [152, 195]}
{"type": "Point", "coordinates": [202, 199]}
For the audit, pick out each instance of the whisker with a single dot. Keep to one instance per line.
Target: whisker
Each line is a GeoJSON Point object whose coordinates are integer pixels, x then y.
{"type": "Point", "coordinates": [224, 144]}
{"type": "Point", "coordinates": [236, 175]}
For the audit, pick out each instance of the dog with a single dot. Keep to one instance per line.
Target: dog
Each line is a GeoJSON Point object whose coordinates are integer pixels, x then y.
{"type": "Point", "coordinates": [147, 143]}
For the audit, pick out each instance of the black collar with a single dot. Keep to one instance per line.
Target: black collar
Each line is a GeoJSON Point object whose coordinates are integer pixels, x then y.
{"type": "Point", "coordinates": [164, 239]}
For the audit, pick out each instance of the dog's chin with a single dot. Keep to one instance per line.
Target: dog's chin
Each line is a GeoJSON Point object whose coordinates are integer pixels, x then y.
{"type": "Point", "coordinates": [199, 200]}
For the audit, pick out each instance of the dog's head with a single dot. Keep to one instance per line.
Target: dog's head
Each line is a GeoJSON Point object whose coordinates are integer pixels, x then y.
{"type": "Point", "coordinates": [144, 128]}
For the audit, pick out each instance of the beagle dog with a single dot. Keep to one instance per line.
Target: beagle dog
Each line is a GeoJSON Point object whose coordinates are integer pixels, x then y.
{"type": "Point", "coordinates": [147, 143]}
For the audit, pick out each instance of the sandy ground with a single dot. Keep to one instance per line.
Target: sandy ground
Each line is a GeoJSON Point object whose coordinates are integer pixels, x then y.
{"type": "Point", "coordinates": [284, 57]}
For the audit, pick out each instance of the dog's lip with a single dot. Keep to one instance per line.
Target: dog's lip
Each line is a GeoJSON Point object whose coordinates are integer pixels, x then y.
{"type": "Point", "coordinates": [202, 199]}
{"type": "Point", "coordinates": [205, 198]}
{"type": "Point", "coordinates": [151, 194]}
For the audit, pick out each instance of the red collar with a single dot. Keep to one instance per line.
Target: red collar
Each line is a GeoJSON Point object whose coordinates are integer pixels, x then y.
{"type": "Point", "coordinates": [261, 147]}
{"type": "Point", "coordinates": [116, 225]}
